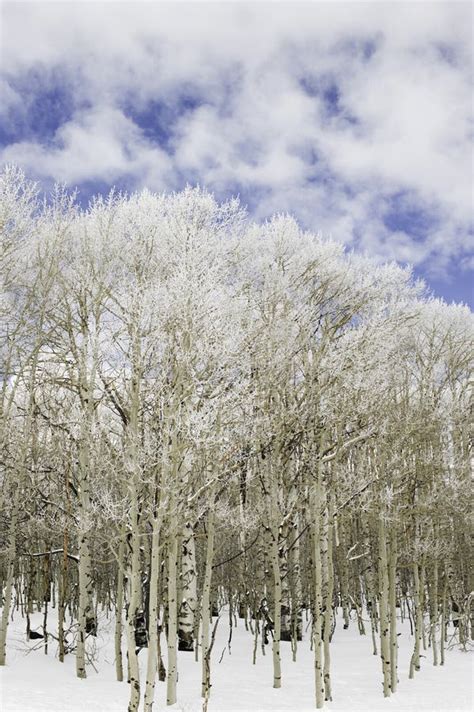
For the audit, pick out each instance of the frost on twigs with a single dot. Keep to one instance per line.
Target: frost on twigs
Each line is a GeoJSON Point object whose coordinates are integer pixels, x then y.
{"type": "Point", "coordinates": [206, 416]}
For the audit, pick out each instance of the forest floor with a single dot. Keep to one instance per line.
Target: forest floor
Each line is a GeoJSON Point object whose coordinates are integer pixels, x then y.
{"type": "Point", "coordinates": [35, 682]}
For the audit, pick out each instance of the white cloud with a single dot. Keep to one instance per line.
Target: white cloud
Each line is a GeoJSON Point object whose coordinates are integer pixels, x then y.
{"type": "Point", "coordinates": [401, 72]}
{"type": "Point", "coordinates": [100, 144]}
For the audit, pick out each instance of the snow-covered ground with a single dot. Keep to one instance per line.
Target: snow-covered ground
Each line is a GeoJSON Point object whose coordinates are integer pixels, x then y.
{"type": "Point", "coordinates": [34, 682]}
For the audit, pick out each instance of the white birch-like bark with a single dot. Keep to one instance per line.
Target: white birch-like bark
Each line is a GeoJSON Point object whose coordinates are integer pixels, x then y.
{"type": "Point", "coordinates": [86, 356]}
{"type": "Point", "coordinates": [132, 610]}
{"type": "Point", "coordinates": [329, 597]}
{"type": "Point", "coordinates": [433, 596]}
{"type": "Point", "coordinates": [444, 605]}
{"type": "Point", "coordinates": [85, 613]}
{"type": "Point", "coordinates": [172, 677]}
{"type": "Point", "coordinates": [271, 499]}
{"type": "Point", "coordinates": [384, 608]}
{"type": "Point", "coordinates": [315, 507]}
{"type": "Point", "coordinates": [286, 632]}
{"type": "Point", "coordinates": [297, 595]}
{"type": "Point", "coordinates": [188, 590]}
{"type": "Point", "coordinates": [275, 564]}
{"type": "Point", "coordinates": [16, 499]}
{"type": "Point", "coordinates": [153, 617]}
{"type": "Point", "coordinates": [392, 581]}
{"type": "Point", "coordinates": [132, 439]}
{"type": "Point", "coordinates": [119, 611]}
{"type": "Point", "coordinates": [11, 557]}
{"type": "Point", "coordinates": [415, 658]}
{"type": "Point", "coordinates": [206, 599]}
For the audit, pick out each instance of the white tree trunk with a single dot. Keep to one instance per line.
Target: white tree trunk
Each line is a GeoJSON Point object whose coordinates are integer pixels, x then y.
{"type": "Point", "coordinates": [172, 677]}
{"type": "Point", "coordinates": [384, 610]}
{"type": "Point", "coordinates": [11, 557]}
{"type": "Point", "coordinates": [392, 574]}
{"type": "Point", "coordinates": [315, 507]}
{"type": "Point", "coordinates": [188, 590]}
{"type": "Point", "coordinates": [206, 600]}
{"type": "Point", "coordinates": [153, 617]}
{"type": "Point", "coordinates": [132, 610]}
{"type": "Point", "coordinates": [119, 611]}
{"type": "Point", "coordinates": [86, 611]}
{"type": "Point", "coordinates": [329, 598]}
{"type": "Point", "coordinates": [415, 658]}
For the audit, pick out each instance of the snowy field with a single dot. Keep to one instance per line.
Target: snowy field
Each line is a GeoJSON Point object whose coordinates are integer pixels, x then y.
{"type": "Point", "coordinates": [34, 682]}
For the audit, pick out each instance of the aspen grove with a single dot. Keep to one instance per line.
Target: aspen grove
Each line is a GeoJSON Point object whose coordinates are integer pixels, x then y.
{"type": "Point", "coordinates": [204, 414]}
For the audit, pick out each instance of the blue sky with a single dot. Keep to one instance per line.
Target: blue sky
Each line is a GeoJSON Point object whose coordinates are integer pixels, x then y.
{"type": "Point", "coordinates": [355, 117]}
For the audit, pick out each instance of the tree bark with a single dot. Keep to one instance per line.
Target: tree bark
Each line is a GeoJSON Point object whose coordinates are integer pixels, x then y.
{"type": "Point", "coordinates": [188, 591]}
{"type": "Point", "coordinates": [153, 617]}
{"type": "Point", "coordinates": [172, 676]}
{"type": "Point", "coordinates": [415, 658]}
{"type": "Point", "coordinates": [315, 506]}
{"type": "Point", "coordinates": [392, 573]}
{"type": "Point", "coordinates": [384, 609]}
{"type": "Point", "coordinates": [329, 598]}
{"type": "Point", "coordinates": [206, 599]}
{"type": "Point", "coordinates": [119, 610]}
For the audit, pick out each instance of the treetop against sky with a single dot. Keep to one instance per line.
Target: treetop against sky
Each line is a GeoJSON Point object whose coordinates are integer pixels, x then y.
{"type": "Point", "coordinates": [354, 117]}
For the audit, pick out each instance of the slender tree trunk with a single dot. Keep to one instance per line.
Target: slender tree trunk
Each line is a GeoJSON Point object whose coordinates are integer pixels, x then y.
{"type": "Point", "coordinates": [188, 591]}
{"type": "Point", "coordinates": [274, 560]}
{"type": "Point", "coordinates": [85, 614]}
{"type": "Point", "coordinates": [343, 570]}
{"type": "Point", "coordinates": [315, 506]}
{"type": "Point", "coordinates": [384, 609]}
{"type": "Point", "coordinates": [206, 599]}
{"type": "Point", "coordinates": [370, 584]}
{"type": "Point", "coordinates": [415, 658]}
{"type": "Point", "coordinates": [86, 618]}
{"type": "Point", "coordinates": [286, 632]}
{"type": "Point", "coordinates": [10, 566]}
{"type": "Point", "coordinates": [272, 516]}
{"type": "Point", "coordinates": [423, 600]}
{"type": "Point", "coordinates": [119, 610]}
{"type": "Point", "coordinates": [153, 614]}
{"type": "Point", "coordinates": [132, 609]}
{"type": "Point", "coordinates": [443, 619]}
{"type": "Point", "coordinates": [63, 580]}
{"type": "Point", "coordinates": [172, 677]}
{"type": "Point", "coordinates": [46, 596]}
{"type": "Point", "coordinates": [132, 442]}
{"type": "Point", "coordinates": [61, 609]}
{"type": "Point", "coordinates": [434, 612]}
{"type": "Point", "coordinates": [329, 598]}
{"type": "Point", "coordinates": [297, 596]}
{"type": "Point", "coordinates": [15, 510]}
{"type": "Point", "coordinates": [392, 573]}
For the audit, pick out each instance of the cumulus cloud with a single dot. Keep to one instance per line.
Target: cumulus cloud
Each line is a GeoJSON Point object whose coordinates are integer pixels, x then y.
{"type": "Point", "coordinates": [98, 144]}
{"type": "Point", "coordinates": [353, 116]}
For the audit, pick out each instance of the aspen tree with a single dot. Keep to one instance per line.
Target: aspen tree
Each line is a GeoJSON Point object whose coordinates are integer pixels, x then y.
{"type": "Point", "coordinates": [84, 349]}
{"type": "Point", "coordinates": [21, 344]}
{"type": "Point", "coordinates": [17, 493]}
{"type": "Point", "coordinates": [172, 676]}
{"type": "Point", "coordinates": [171, 482]}
{"type": "Point", "coordinates": [392, 596]}
{"type": "Point", "coordinates": [273, 526]}
{"type": "Point", "coordinates": [315, 499]}
{"type": "Point", "coordinates": [119, 603]}
{"type": "Point", "coordinates": [243, 416]}
{"type": "Point", "coordinates": [206, 595]}
{"type": "Point", "coordinates": [188, 591]}
{"type": "Point", "coordinates": [329, 595]}
{"type": "Point", "coordinates": [384, 608]}
{"type": "Point", "coordinates": [152, 660]}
